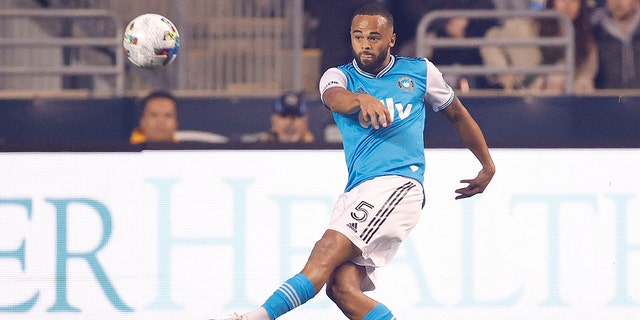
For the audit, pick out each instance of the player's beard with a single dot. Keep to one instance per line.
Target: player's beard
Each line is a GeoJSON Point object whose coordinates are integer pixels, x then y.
{"type": "Point", "coordinates": [375, 64]}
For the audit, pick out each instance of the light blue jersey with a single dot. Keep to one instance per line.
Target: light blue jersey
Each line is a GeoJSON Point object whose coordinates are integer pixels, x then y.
{"type": "Point", "coordinates": [406, 86]}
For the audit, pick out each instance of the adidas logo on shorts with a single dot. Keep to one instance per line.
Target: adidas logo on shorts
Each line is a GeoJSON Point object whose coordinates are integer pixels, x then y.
{"type": "Point", "coordinates": [353, 226]}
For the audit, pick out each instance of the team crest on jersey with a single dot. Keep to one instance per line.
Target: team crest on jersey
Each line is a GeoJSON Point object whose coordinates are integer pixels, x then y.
{"type": "Point", "coordinates": [406, 84]}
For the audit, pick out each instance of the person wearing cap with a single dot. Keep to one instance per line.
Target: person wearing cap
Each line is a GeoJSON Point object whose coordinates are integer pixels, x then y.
{"type": "Point", "coordinates": [289, 120]}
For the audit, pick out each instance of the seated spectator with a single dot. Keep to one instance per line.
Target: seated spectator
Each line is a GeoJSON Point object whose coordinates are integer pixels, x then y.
{"type": "Point", "coordinates": [289, 122]}
{"type": "Point", "coordinates": [457, 28]}
{"type": "Point", "coordinates": [586, 50]}
{"type": "Point", "coordinates": [521, 56]}
{"type": "Point", "coordinates": [586, 55]}
{"type": "Point", "coordinates": [159, 120]}
{"type": "Point", "coordinates": [617, 32]}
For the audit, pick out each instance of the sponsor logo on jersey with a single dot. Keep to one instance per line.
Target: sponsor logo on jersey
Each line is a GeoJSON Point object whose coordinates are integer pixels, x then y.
{"type": "Point", "coordinates": [398, 109]}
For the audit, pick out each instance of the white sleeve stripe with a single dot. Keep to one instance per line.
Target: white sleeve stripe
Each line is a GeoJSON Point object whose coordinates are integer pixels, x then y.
{"type": "Point", "coordinates": [333, 77]}
{"type": "Point", "coordinates": [438, 93]}
{"type": "Point", "coordinates": [443, 106]}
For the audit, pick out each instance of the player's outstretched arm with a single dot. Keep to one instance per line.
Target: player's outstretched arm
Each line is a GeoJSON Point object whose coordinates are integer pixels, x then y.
{"type": "Point", "coordinates": [472, 137]}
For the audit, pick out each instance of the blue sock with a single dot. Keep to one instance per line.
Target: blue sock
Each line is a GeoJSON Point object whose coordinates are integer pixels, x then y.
{"type": "Point", "coordinates": [291, 294]}
{"type": "Point", "coordinates": [379, 312]}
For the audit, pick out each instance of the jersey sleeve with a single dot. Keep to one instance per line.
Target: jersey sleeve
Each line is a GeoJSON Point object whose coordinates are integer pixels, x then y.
{"type": "Point", "coordinates": [333, 77]}
{"type": "Point", "coordinates": [438, 94]}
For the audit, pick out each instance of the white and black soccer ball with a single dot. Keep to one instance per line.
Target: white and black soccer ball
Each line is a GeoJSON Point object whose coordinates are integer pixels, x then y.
{"type": "Point", "coordinates": [151, 41]}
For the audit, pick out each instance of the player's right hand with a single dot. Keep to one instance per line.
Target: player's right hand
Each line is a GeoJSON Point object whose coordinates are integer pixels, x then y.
{"type": "Point", "coordinates": [372, 110]}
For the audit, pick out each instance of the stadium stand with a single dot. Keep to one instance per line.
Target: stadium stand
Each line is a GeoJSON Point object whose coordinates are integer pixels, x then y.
{"type": "Point", "coordinates": [238, 56]}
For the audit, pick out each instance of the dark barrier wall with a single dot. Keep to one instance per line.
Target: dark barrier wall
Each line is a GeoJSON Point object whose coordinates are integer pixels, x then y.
{"type": "Point", "coordinates": [65, 120]}
{"type": "Point", "coordinates": [513, 122]}
{"type": "Point", "coordinates": [567, 121]}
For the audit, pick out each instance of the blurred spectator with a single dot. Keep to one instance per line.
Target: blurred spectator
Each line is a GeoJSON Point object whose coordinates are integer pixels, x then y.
{"type": "Point", "coordinates": [457, 27]}
{"type": "Point", "coordinates": [520, 56]}
{"type": "Point", "coordinates": [289, 122]}
{"type": "Point", "coordinates": [617, 32]}
{"type": "Point", "coordinates": [586, 55]}
{"type": "Point", "coordinates": [413, 11]}
{"type": "Point", "coordinates": [159, 120]}
{"type": "Point", "coordinates": [586, 50]}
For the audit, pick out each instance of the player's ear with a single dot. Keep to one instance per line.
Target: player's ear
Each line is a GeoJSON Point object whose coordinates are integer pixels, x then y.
{"type": "Point", "coordinates": [392, 42]}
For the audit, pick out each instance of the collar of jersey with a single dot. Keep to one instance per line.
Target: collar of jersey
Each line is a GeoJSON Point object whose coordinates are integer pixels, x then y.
{"type": "Point", "coordinates": [380, 74]}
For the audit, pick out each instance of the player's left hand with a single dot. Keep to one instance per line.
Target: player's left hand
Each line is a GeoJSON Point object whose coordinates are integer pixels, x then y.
{"type": "Point", "coordinates": [476, 185]}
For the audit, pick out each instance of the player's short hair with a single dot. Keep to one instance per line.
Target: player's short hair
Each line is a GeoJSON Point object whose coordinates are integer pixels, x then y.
{"type": "Point", "coordinates": [375, 9]}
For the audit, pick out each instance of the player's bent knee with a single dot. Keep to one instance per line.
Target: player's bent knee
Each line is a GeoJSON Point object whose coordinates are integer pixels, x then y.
{"type": "Point", "coordinates": [340, 292]}
{"type": "Point", "coordinates": [335, 294]}
{"type": "Point", "coordinates": [331, 250]}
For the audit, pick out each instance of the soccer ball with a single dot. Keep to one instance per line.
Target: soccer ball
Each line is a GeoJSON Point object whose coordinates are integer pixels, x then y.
{"type": "Point", "coordinates": [151, 41]}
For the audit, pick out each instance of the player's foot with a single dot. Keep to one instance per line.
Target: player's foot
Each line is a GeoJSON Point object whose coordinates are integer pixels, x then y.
{"type": "Point", "coordinates": [236, 316]}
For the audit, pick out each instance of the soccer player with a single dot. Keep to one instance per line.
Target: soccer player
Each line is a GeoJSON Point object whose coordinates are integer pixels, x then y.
{"type": "Point", "coordinates": [379, 103]}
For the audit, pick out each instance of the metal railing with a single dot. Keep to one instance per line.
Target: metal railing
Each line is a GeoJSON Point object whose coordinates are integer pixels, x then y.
{"type": "Point", "coordinates": [228, 47]}
{"type": "Point", "coordinates": [23, 54]}
{"type": "Point", "coordinates": [425, 44]}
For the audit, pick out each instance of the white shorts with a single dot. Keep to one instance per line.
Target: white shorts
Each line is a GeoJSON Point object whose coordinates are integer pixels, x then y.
{"type": "Point", "coordinates": [376, 216]}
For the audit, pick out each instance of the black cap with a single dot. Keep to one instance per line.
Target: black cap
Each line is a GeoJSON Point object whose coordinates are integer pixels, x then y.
{"type": "Point", "coordinates": [290, 104]}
